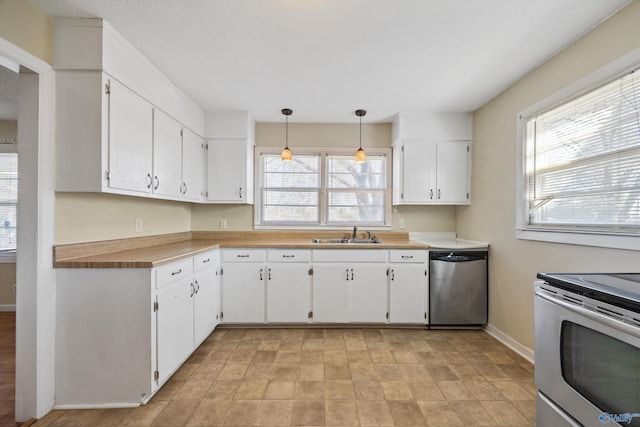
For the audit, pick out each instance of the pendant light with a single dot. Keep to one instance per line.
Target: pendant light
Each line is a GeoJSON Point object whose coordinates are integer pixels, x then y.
{"type": "Point", "coordinates": [286, 155]}
{"type": "Point", "coordinates": [361, 156]}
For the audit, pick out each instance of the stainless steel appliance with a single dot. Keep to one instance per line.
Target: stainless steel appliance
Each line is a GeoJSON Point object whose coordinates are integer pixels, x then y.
{"type": "Point", "coordinates": [587, 349]}
{"type": "Point", "coordinates": [458, 288]}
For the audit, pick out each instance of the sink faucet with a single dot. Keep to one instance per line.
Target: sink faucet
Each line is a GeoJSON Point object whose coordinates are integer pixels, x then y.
{"type": "Point", "coordinates": [355, 229]}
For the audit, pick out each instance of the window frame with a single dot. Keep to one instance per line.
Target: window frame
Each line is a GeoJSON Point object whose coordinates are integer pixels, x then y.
{"type": "Point", "coordinates": [9, 256]}
{"type": "Point", "coordinates": [599, 238]}
{"type": "Point", "coordinates": [323, 193]}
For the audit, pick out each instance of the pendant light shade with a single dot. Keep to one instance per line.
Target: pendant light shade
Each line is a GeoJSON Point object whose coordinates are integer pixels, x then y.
{"type": "Point", "coordinates": [286, 155]}
{"type": "Point", "coordinates": [361, 156]}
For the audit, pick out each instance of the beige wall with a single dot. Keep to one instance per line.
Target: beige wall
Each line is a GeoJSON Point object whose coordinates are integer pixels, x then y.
{"type": "Point", "coordinates": [28, 27]}
{"type": "Point", "coordinates": [491, 217]}
{"type": "Point", "coordinates": [319, 135]}
{"type": "Point", "coordinates": [8, 129]}
{"type": "Point", "coordinates": [86, 217]}
{"type": "Point", "coordinates": [7, 280]}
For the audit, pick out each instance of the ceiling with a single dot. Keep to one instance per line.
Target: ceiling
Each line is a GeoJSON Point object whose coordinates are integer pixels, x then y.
{"type": "Point", "coordinates": [327, 58]}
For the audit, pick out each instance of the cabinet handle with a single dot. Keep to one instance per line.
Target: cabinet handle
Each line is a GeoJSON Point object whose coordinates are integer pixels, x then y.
{"type": "Point", "coordinates": [193, 289]}
{"type": "Point", "coordinates": [242, 256]}
{"type": "Point", "coordinates": [352, 274]}
{"type": "Point", "coordinates": [206, 260]}
{"type": "Point", "coordinates": [197, 286]}
{"type": "Point", "coordinates": [407, 256]}
{"type": "Point", "coordinates": [269, 274]}
{"type": "Point", "coordinates": [148, 180]}
{"type": "Point", "coordinates": [438, 194]}
{"type": "Point", "coordinates": [288, 256]}
{"type": "Point", "coordinates": [240, 192]}
{"type": "Point", "coordinates": [184, 186]}
{"type": "Point", "coordinates": [261, 274]}
{"type": "Point", "coordinates": [347, 274]}
{"type": "Point", "coordinates": [176, 272]}
{"type": "Point", "coordinates": [431, 194]}
{"type": "Point", "coordinates": [393, 275]}
{"type": "Point", "coordinates": [157, 182]}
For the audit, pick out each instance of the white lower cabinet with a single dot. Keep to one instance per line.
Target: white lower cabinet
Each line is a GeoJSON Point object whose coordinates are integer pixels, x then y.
{"type": "Point", "coordinates": [350, 286]}
{"type": "Point", "coordinates": [175, 326]}
{"type": "Point", "coordinates": [289, 286]}
{"type": "Point", "coordinates": [206, 303]}
{"type": "Point", "coordinates": [408, 283]}
{"type": "Point", "coordinates": [243, 283]}
{"type": "Point", "coordinates": [122, 332]}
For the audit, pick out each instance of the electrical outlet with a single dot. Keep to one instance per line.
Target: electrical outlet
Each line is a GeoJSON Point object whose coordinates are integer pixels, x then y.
{"type": "Point", "coordinates": [223, 224]}
{"type": "Point", "coordinates": [138, 226]}
{"type": "Point", "coordinates": [401, 223]}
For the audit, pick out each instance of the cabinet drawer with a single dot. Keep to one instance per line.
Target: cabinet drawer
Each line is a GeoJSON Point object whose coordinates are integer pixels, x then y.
{"type": "Point", "coordinates": [243, 255]}
{"type": "Point", "coordinates": [399, 255]}
{"type": "Point", "coordinates": [283, 255]}
{"type": "Point", "coordinates": [204, 260]}
{"type": "Point", "coordinates": [173, 272]}
{"type": "Point", "coordinates": [350, 255]}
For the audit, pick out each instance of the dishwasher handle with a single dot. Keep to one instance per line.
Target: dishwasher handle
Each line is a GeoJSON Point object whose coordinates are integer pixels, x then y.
{"type": "Point", "coordinates": [458, 256]}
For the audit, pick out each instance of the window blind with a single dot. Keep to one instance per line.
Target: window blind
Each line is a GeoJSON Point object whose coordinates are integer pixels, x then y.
{"type": "Point", "coordinates": [290, 190]}
{"type": "Point", "coordinates": [8, 200]}
{"type": "Point", "coordinates": [583, 161]}
{"type": "Point", "coordinates": [356, 191]}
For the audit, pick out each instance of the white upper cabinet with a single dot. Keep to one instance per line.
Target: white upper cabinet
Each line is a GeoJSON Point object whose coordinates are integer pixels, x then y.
{"type": "Point", "coordinates": [230, 138]}
{"type": "Point", "coordinates": [431, 159]}
{"type": "Point", "coordinates": [118, 118]}
{"type": "Point", "coordinates": [130, 139]}
{"type": "Point", "coordinates": [194, 160]}
{"type": "Point", "coordinates": [167, 155]}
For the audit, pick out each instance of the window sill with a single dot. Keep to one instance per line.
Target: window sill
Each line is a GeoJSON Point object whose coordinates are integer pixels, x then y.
{"type": "Point", "coordinates": [626, 242]}
{"type": "Point", "coordinates": [8, 257]}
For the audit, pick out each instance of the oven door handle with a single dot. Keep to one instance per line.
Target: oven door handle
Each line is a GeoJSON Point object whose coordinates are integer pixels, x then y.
{"type": "Point", "coordinates": [596, 317]}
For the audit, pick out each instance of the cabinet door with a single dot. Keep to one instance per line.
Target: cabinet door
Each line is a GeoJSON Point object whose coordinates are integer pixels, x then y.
{"type": "Point", "coordinates": [227, 171]}
{"type": "Point", "coordinates": [205, 303]}
{"type": "Point", "coordinates": [243, 292]}
{"type": "Point", "coordinates": [368, 291]}
{"type": "Point", "coordinates": [174, 326]}
{"type": "Point", "coordinates": [331, 293]}
{"type": "Point", "coordinates": [193, 163]}
{"type": "Point", "coordinates": [453, 172]}
{"type": "Point", "coordinates": [167, 155]}
{"type": "Point", "coordinates": [419, 172]}
{"type": "Point", "coordinates": [288, 292]}
{"type": "Point", "coordinates": [130, 139]}
{"type": "Point", "coordinates": [407, 293]}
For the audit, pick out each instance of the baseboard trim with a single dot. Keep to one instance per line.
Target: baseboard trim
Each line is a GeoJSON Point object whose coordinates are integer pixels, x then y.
{"type": "Point", "coordinates": [514, 345]}
{"type": "Point", "coordinates": [7, 307]}
{"type": "Point", "coordinates": [97, 406]}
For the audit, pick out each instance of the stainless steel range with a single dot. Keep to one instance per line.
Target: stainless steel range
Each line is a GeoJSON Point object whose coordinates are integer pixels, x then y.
{"type": "Point", "coordinates": [587, 349]}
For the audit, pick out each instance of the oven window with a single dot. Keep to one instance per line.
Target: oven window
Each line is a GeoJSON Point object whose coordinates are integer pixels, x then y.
{"type": "Point", "coordinates": [603, 369]}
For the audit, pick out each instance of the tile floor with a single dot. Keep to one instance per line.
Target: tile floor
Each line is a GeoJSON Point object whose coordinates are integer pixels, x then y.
{"type": "Point", "coordinates": [336, 377]}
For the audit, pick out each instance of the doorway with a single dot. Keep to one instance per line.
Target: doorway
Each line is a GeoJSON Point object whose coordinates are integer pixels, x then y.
{"type": "Point", "coordinates": [35, 278]}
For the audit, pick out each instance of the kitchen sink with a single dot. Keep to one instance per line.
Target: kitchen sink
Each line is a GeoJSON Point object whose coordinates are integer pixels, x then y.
{"type": "Point", "coordinates": [347, 240]}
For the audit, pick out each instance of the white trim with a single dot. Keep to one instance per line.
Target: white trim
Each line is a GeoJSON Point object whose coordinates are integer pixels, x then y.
{"type": "Point", "coordinates": [596, 78]}
{"type": "Point", "coordinates": [98, 406]}
{"type": "Point", "coordinates": [8, 257]}
{"type": "Point", "coordinates": [7, 307]}
{"type": "Point", "coordinates": [35, 303]}
{"type": "Point", "coordinates": [514, 345]}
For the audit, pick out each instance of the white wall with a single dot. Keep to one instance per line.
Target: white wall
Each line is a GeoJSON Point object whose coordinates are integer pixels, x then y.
{"type": "Point", "coordinates": [491, 217]}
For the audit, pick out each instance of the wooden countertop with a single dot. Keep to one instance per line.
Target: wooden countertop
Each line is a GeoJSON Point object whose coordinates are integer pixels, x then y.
{"type": "Point", "coordinates": [154, 251]}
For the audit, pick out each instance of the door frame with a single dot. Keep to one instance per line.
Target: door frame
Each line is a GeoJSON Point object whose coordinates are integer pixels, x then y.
{"type": "Point", "coordinates": [35, 276]}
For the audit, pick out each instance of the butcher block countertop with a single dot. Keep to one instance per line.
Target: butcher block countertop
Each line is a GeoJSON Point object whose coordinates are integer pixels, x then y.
{"type": "Point", "coordinates": [154, 251]}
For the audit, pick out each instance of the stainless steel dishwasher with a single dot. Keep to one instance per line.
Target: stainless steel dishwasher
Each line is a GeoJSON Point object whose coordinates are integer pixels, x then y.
{"type": "Point", "coordinates": [458, 288]}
